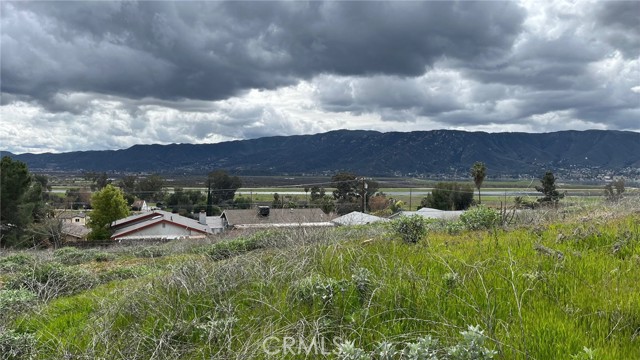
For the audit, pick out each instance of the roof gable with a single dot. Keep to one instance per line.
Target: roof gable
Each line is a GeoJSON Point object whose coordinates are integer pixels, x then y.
{"type": "Point", "coordinates": [357, 218]}
{"type": "Point", "coordinates": [136, 223]}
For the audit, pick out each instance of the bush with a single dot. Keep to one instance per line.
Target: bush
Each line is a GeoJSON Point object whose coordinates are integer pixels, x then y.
{"type": "Point", "coordinates": [449, 196]}
{"type": "Point", "coordinates": [74, 256]}
{"type": "Point", "coordinates": [101, 256]}
{"type": "Point", "coordinates": [150, 252]}
{"type": "Point", "coordinates": [316, 288]}
{"type": "Point", "coordinates": [15, 298]}
{"type": "Point", "coordinates": [410, 228]}
{"type": "Point", "coordinates": [14, 302]}
{"type": "Point", "coordinates": [14, 345]}
{"type": "Point", "coordinates": [70, 256]}
{"type": "Point", "coordinates": [122, 273]}
{"type": "Point", "coordinates": [362, 280]}
{"type": "Point", "coordinates": [480, 218]}
{"type": "Point", "coordinates": [52, 280]}
{"type": "Point", "coordinates": [226, 249]}
{"type": "Point", "coordinates": [471, 347]}
{"type": "Point", "coordinates": [16, 262]}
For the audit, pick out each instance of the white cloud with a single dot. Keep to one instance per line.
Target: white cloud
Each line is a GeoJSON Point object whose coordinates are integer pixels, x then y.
{"type": "Point", "coordinates": [128, 76]}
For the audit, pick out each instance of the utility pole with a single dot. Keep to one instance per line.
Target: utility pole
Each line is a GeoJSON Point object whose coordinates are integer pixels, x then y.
{"type": "Point", "coordinates": [410, 196]}
{"type": "Point", "coordinates": [365, 186]}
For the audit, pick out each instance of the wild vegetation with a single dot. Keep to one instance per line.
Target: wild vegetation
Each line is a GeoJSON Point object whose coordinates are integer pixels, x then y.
{"type": "Point", "coordinates": [552, 283]}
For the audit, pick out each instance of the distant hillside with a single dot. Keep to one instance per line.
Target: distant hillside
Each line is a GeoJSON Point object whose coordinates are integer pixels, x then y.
{"type": "Point", "coordinates": [366, 153]}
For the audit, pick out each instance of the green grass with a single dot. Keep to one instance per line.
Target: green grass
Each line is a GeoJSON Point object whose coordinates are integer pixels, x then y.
{"type": "Point", "coordinates": [363, 284]}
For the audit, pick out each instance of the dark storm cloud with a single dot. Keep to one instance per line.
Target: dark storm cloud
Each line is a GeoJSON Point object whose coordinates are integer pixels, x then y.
{"type": "Point", "coordinates": [620, 25]}
{"type": "Point", "coordinates": [541, 64]}
{"type": "Point", "coordinates": [214, 50]}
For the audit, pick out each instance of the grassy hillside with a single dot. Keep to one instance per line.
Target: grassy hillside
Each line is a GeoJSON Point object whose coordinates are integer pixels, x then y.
{"type": "Point", "coordinates": [552, 285]}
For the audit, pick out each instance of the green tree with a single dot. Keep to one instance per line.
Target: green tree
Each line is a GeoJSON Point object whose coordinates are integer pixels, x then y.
{"type": "Point", "coordinates": [449, 196]}
{"type": "Point", "coordinates": [21, 201]}
{"type": "Point", "coordinates": [242, 202]}
{"type": "Point", "coordinates": [98, 180]}
{"type": "Point", "coordinates": [277, 202]}
{"type": "Point", "coordinates": [128, 184]}
{"type": "Point", "coordinates": [351, 193]}
{"type": "Point", "coordinates": [317, 193]}
{"type": "Point", "coordinates": [78, 198]}
{"type": "Point", "coordinates": [326, 203]}
{"type": "Point", "coordinates": [346, 187]}
{"type": "Point", "coordinates": [186, 201]}
{"type": "Point", "coordinates": [478, 173]}
{"type": "Point", "coordinates": [549, 190]}
{"type": "Point", "coordinates": [108, 205]}
{"type": "Point", "coordinates": [221, 188]}
{"type": "Point", "coordinates": [613, 190]}
{"type": "Point", "coordinates": [150, 188]}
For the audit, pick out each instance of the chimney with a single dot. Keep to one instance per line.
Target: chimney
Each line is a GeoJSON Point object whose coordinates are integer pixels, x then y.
{"type": "Point", "coordinates": [263, 211]}
{"type": "Point", "coordinates": [202, 219]}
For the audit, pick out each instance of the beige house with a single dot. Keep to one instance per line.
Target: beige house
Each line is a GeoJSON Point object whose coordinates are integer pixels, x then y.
{"type": "Point", "coordinates": [73, 218]}
{"type": "Point", "coordinates": [73, 232]}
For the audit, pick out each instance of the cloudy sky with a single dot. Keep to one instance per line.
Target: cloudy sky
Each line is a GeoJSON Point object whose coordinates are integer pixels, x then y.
{"type": "Point", "coordinates": [107, 75]}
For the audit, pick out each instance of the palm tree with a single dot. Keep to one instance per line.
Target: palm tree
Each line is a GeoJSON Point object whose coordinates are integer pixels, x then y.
{"type": "Point", "coordinates": [478, 172]}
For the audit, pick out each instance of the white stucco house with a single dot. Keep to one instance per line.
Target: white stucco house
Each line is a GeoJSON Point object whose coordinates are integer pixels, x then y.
{"type": "Point", "coordinates": [158, 224]}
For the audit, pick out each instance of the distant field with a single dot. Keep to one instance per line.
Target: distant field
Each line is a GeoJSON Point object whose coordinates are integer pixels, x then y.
{"type": "Point", "coordinates": [409, 190]}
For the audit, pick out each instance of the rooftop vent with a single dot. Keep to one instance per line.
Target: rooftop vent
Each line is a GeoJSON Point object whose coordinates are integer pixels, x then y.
{"type": "Point", "coordinates": [263, 211]}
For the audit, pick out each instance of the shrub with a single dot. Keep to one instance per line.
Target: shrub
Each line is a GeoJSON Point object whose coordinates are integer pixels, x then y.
{"type": "Point", "coordinates": [227, 249]}
{"type": "Point", "coordinates": [123, 273]}
{"type": "Point", "coordinates": [362, 279]}
{"type": "Point", "coordinates": [454, 227]}
{"type": "Point", "coordinates": [14, 345]}
{"type": "Point", "coordinates": [451, 279]}
{"type": "Point", "coordinates": [316, 287]}
{"type": "Point", "coordinates": [472, 346]}
{"type": "Point", "coordinates": [70, 256]}
{"type": "Point", "coordinates": [101, 256]}
{"type": "Point", "coordinates": [348, 351]}
{"type": "Point", "coordinates": [150, 252]}
{"type": "Point", "coordinates": [15, 301]}
{"type": "Point", "coordinates": [479, 218]}
{"type": "Point", "coordinates": [12, 298]}
{"type": "Point", "coordinates": [51, 280]}
{"type": "Point", "coordinates": [423, 348]}
{"type": "Point", "coordinates": [74, 256]}
{"type": "Point", "coordinates": [410, 228]}
{"type": "Point", "coordinates": [16, 262]}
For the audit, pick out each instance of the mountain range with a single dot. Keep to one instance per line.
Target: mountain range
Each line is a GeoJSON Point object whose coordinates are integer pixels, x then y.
{"type": "Point", "coordinates": [418, 153]}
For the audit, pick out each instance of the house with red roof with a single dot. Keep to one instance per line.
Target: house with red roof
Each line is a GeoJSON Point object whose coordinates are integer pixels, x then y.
{"type": "Point", "coordinates": [158, 224]}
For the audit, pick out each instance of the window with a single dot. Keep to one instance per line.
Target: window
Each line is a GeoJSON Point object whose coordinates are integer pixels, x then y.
{"type": "Point", "coordinates": [77, 220]}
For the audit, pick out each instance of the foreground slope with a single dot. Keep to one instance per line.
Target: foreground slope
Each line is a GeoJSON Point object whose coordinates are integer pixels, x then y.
{"type": "Point", "coordinates": [243, 298]}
